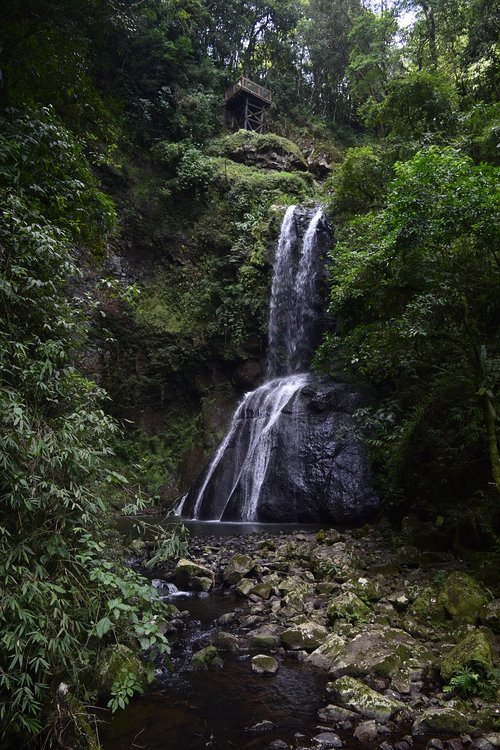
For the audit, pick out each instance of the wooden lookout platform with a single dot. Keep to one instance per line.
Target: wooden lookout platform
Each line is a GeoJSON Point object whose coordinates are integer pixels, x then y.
{"type": "Point", "coordinates": [246, 104]}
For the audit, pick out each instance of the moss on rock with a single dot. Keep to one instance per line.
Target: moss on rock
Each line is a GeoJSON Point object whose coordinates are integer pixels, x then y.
{"type": "Point", "coordinates": [356, 696]}
{"type": "Point", "coordinates": [117, 661]}
{"type": "Point", "coordinates": [348, 606]}
{"type": "Point", "coordinates": [473, 651]}
{"type": "Point", "coordinates": [459, 598]}
{"type": "Point", "coordinates": [307, 636]}
{"type": "Point", "coordinates": [441, 721]}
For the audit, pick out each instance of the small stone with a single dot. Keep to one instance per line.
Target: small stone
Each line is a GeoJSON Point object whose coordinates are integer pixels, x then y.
{"type": "Point", "coordinates": [453, 744]}
{"type": "Point", "coordinates": [261, 727]}
{"type": "Point", "coordinates": [489, 615]}
{"type": "Point", "coordinates": [385, 746]}
{"type": "Point", "coordinates": [493, 738]}
{"type": "Point", "coordinates": [226, 619]}
{"type": "Point", "coordinates": [278, 745]}
{"type": "Point", "coordinates": [366, 732]}
{"type": "Point", "coordinates": [435, 744]}
{"type": "Point", "coordinates": [402, 745]}
{"type": "Point", "coordinates": [327, 740]}
{"type": "Point", "coordinates": [264, 665]}
{"type": "Point", "coordinates": [481, 743]}
{"type": "Point", "coordinates": [333, 714]}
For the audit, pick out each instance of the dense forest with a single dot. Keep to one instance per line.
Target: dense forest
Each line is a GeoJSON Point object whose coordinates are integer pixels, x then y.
{"type": "Point", "coordinates": [135, 270]}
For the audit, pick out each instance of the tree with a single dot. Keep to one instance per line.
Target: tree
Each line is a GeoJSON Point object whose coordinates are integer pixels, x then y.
{"type": "Point", "coordinates": [417, 287]}
{"type": "Point", "coordinates": [63, 596]}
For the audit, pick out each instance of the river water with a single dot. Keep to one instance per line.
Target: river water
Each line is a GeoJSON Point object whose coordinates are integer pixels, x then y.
{"type": "Point", "coordinates": [190, 710]}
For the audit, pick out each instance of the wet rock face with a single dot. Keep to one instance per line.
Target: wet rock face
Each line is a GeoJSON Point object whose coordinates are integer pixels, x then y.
{"type": "Point", "coordinates": [318, 469]}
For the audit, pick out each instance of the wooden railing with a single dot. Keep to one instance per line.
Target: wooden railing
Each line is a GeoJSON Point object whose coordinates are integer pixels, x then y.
{"type": "Point", "coordinates": [245, 84]}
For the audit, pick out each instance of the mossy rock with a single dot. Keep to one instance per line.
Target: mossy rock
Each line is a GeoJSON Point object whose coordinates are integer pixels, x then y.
{"type": "Point", "coordinates": [462, 597]}
{"type": "Point", "coordinates": [227, 642]}
{"type": "Point", "coordinates": [473, 651]}
{"type": "Point", "coordinates": [265, 150]}
{"type": "Point", "coordinates": [368, 589]}
{"type": "Point", "coordinates": [264, 665]}
{"type": "Point", "coordinates": [263, 639]}
{"type": "Point", "coordinates": [382, 651]}
{"type": "Point", "coordinates": [325, 655]}
{"type": "Point", "coordinates": [191, 576]}
{"type": "Point", "coordinates": [117, 661]}
{"type": "Point", "coordinates": [489, 614]}
{"type": "Point", "coordinates": [262, 590]}
{"type": "Point", "coordinates": [244, 587]}
{"type": "Point", "coordinates": [237, 568]}
{"type": "Point", "coordinates": [307, 636]}
{"type": "Point", "coordinates": [441, 721]}
{"type": "Point", "coordinates": [202, 659]}
{"type": "Point", "coordinates": [348, 606]}
{"type": "Point", "coordinates": [356, 696]}
{"type": "Point", "coordinates": [459, 598]}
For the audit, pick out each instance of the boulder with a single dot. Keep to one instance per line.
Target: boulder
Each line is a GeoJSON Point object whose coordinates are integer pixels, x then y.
{"type": "Point", "coordinates": [244, 587]}
{"type": "Point", "coordinates": [489, 614]}
{"type": "Point", "coordinates": [327, 741]}
{"type": "Point", "coordinates": [262, 591]}
{"type": "Point", "coordinates": [324, 656]}
{"type": "Point", "coordinates": [115, 662]}
{"type": "Point", "coordinates": [204, 658]}
{"type": "Point", "coordinates": [358, 697]}
{"type": "Point", "coordinates": [473, 651]}
{"type": "Point", "coordinates": [265, 638]}
{"type": "Point", "coordinates": [333, 562]}
{"type": "Point", "coordinates": [264, 665]}
{"type": "Point", "coordinates": [237, 568]}
{"type": "Point", "coordinates": [307, 636]}
{"type": "Point", "coordinates": [366, 732]}
{"type": "Point", "coordinates": [441, 721]}
{"type": "Point", "coordinates": [368, 589]}
{"type": "Point", "coordinates": [459, 598]}
{"type": "Point", "coordinates": [334, 714]}
{"type": "Point", "coordinates": [328, 480]}
{"type": "Point", "coordinates": [382, 651]}
{"type": "Point", "coordinates": [348, 606]}
{"type": "Point", "coordinates": [227, 642]}
{"type": "Point", "coordinates": [191, 576]}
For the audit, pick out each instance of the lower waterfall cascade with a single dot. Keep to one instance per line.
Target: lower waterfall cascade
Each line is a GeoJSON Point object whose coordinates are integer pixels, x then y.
{"type": "Point", "coordinates": [290, 453]}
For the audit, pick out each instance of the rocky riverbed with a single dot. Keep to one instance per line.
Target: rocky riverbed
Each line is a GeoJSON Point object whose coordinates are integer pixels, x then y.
{"type": "Point", "coordinates": [390, 628]}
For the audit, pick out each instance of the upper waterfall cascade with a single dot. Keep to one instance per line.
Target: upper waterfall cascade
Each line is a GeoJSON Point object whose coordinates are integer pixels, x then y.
{"type": "Point", "coordinates": [273, 463]}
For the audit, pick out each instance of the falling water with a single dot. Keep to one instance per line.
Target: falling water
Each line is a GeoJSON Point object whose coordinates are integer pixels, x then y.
{"type": "Point", "coordinates": [235, 480]}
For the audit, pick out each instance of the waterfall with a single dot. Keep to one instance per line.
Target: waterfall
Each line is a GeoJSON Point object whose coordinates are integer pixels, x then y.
{"type": "Point", "coordinates": [292, 310]}
{"type": "Point", "coordinates": [235, 480]}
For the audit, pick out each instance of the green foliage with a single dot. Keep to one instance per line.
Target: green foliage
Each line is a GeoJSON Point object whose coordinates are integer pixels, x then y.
{"type": "Point", "coordinates": [359, 184]}
{"type": "Point", "coordinates": [235, 144]}
{"type": "Point", "coordinates": [193, 171]}
{"type": "Point", "coordinates": [61, 594]}
{"type": "Point", "coordinates": [415, 286]}
{"type": "Point", "coordinates": [468, 683]}
{"type": "Point", "coordinates": [415, 104]}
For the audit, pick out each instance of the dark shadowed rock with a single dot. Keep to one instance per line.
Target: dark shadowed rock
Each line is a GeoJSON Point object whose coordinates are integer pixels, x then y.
{"type": "Point", "coordinates": [318, 469]}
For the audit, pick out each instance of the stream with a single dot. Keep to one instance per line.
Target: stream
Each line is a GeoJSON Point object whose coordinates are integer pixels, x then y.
{"type": "Point", "coordinates": [217, 708]}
